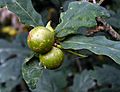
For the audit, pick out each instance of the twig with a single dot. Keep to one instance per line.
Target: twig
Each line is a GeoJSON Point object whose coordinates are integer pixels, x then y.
{"type": "Point", "coordinates": [113, 33]}
{"type": "Point", "coordinates": [70, 51]}
{"type": "Point", "coordinates": [108, 28]}
{"type": "Point", "coordinates": [97, 29]}
{"type": "Point", "coordinates": [77, 54]}
{"type": "Point", "coordinates": [103, 26]}
{"type": "Point", "coordinates": [100, 2]}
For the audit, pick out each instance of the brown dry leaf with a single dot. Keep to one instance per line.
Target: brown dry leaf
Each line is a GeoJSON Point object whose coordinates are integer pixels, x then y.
{"type": "Point", "coordinates": [7, 18]}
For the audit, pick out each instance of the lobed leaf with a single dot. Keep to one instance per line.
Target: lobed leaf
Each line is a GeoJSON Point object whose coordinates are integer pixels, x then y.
{"type": "Point", "coordinates": [48, 82]}
{"type": "Point", "coordinates": [41, 80]}
{"type": "Point", "coordinates": [99, 45]}
{"type": "Point", "coordinates": [31, 72]}
{"type": "Point", "coordinates": [11, 58]}
{"type": "Point", "coordinates": [79, 17]}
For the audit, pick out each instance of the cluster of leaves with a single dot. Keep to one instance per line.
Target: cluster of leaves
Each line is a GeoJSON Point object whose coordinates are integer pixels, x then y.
{"type": "Point", "coordinates": [12, 55]}
{"type": "Point", "coordinates": [13, 50]}
{"type": "Point", "coordinates": [78, 17]}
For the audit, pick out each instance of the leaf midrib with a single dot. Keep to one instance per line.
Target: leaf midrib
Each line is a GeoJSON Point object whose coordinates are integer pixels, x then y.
{"type": "Point", "coordinates": [26, 12]}
{"type": "Point", "coordinates": [93, 45]}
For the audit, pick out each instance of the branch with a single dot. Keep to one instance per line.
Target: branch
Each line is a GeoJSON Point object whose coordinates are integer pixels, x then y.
{"type": "Point", "coordinates": [113, 33]}
{"type": "Point", "coordinates": [77, 54]}
{"type": "Point", "coordinates": [100, 2]}
{"type": "Point", "coordinates": [103, 26]}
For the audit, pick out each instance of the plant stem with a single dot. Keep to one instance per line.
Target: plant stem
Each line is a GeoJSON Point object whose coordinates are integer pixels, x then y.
{"type": "Point", "coordinates": [75, 53]}
{"type": "Point", "coordinates": [100, 2]}
{"type": "Point", "coordinates": [105, 28]}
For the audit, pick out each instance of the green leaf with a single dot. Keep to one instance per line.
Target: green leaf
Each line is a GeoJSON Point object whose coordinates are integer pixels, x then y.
{"type": "Point", "coordinates": [25, 10]}
{"type": "Point", "coordinates": [45, 84]}
{"type": "Point", "coordinates": [10, 73]}
{"type": "Point", "coordinates": [59, 78]}
{"type": "Point", "coordinates": [97, 80]}
{"type": "Point", "coordinates": [82, 82]}
{"type": "Point", "coordinates": [45, 80]}
{"type": "Point", "coordinates": [41, 80]}
{"type": "Point", "coordinates": [79, 17]}
{"type": "Point", "coordinates": [31, 72]}
{"type": "Point", "coordinates": [99, 45]}
{"type": "Point", "coordinates": [51, 81]}
{"type": "Point", "coordinates": [15, 49]}
{"type": "Point", "coordinates": [10, 85]}
{"type": "Point", "coordinates": [11, 58]}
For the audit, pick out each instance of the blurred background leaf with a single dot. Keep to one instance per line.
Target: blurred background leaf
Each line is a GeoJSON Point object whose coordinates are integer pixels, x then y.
{"type": "Point", "coordinates": [23, 9]}
{"type": "Point", "coordinates": [12, 55]}
{"type": "Point", "coordinates": [101, 79]}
